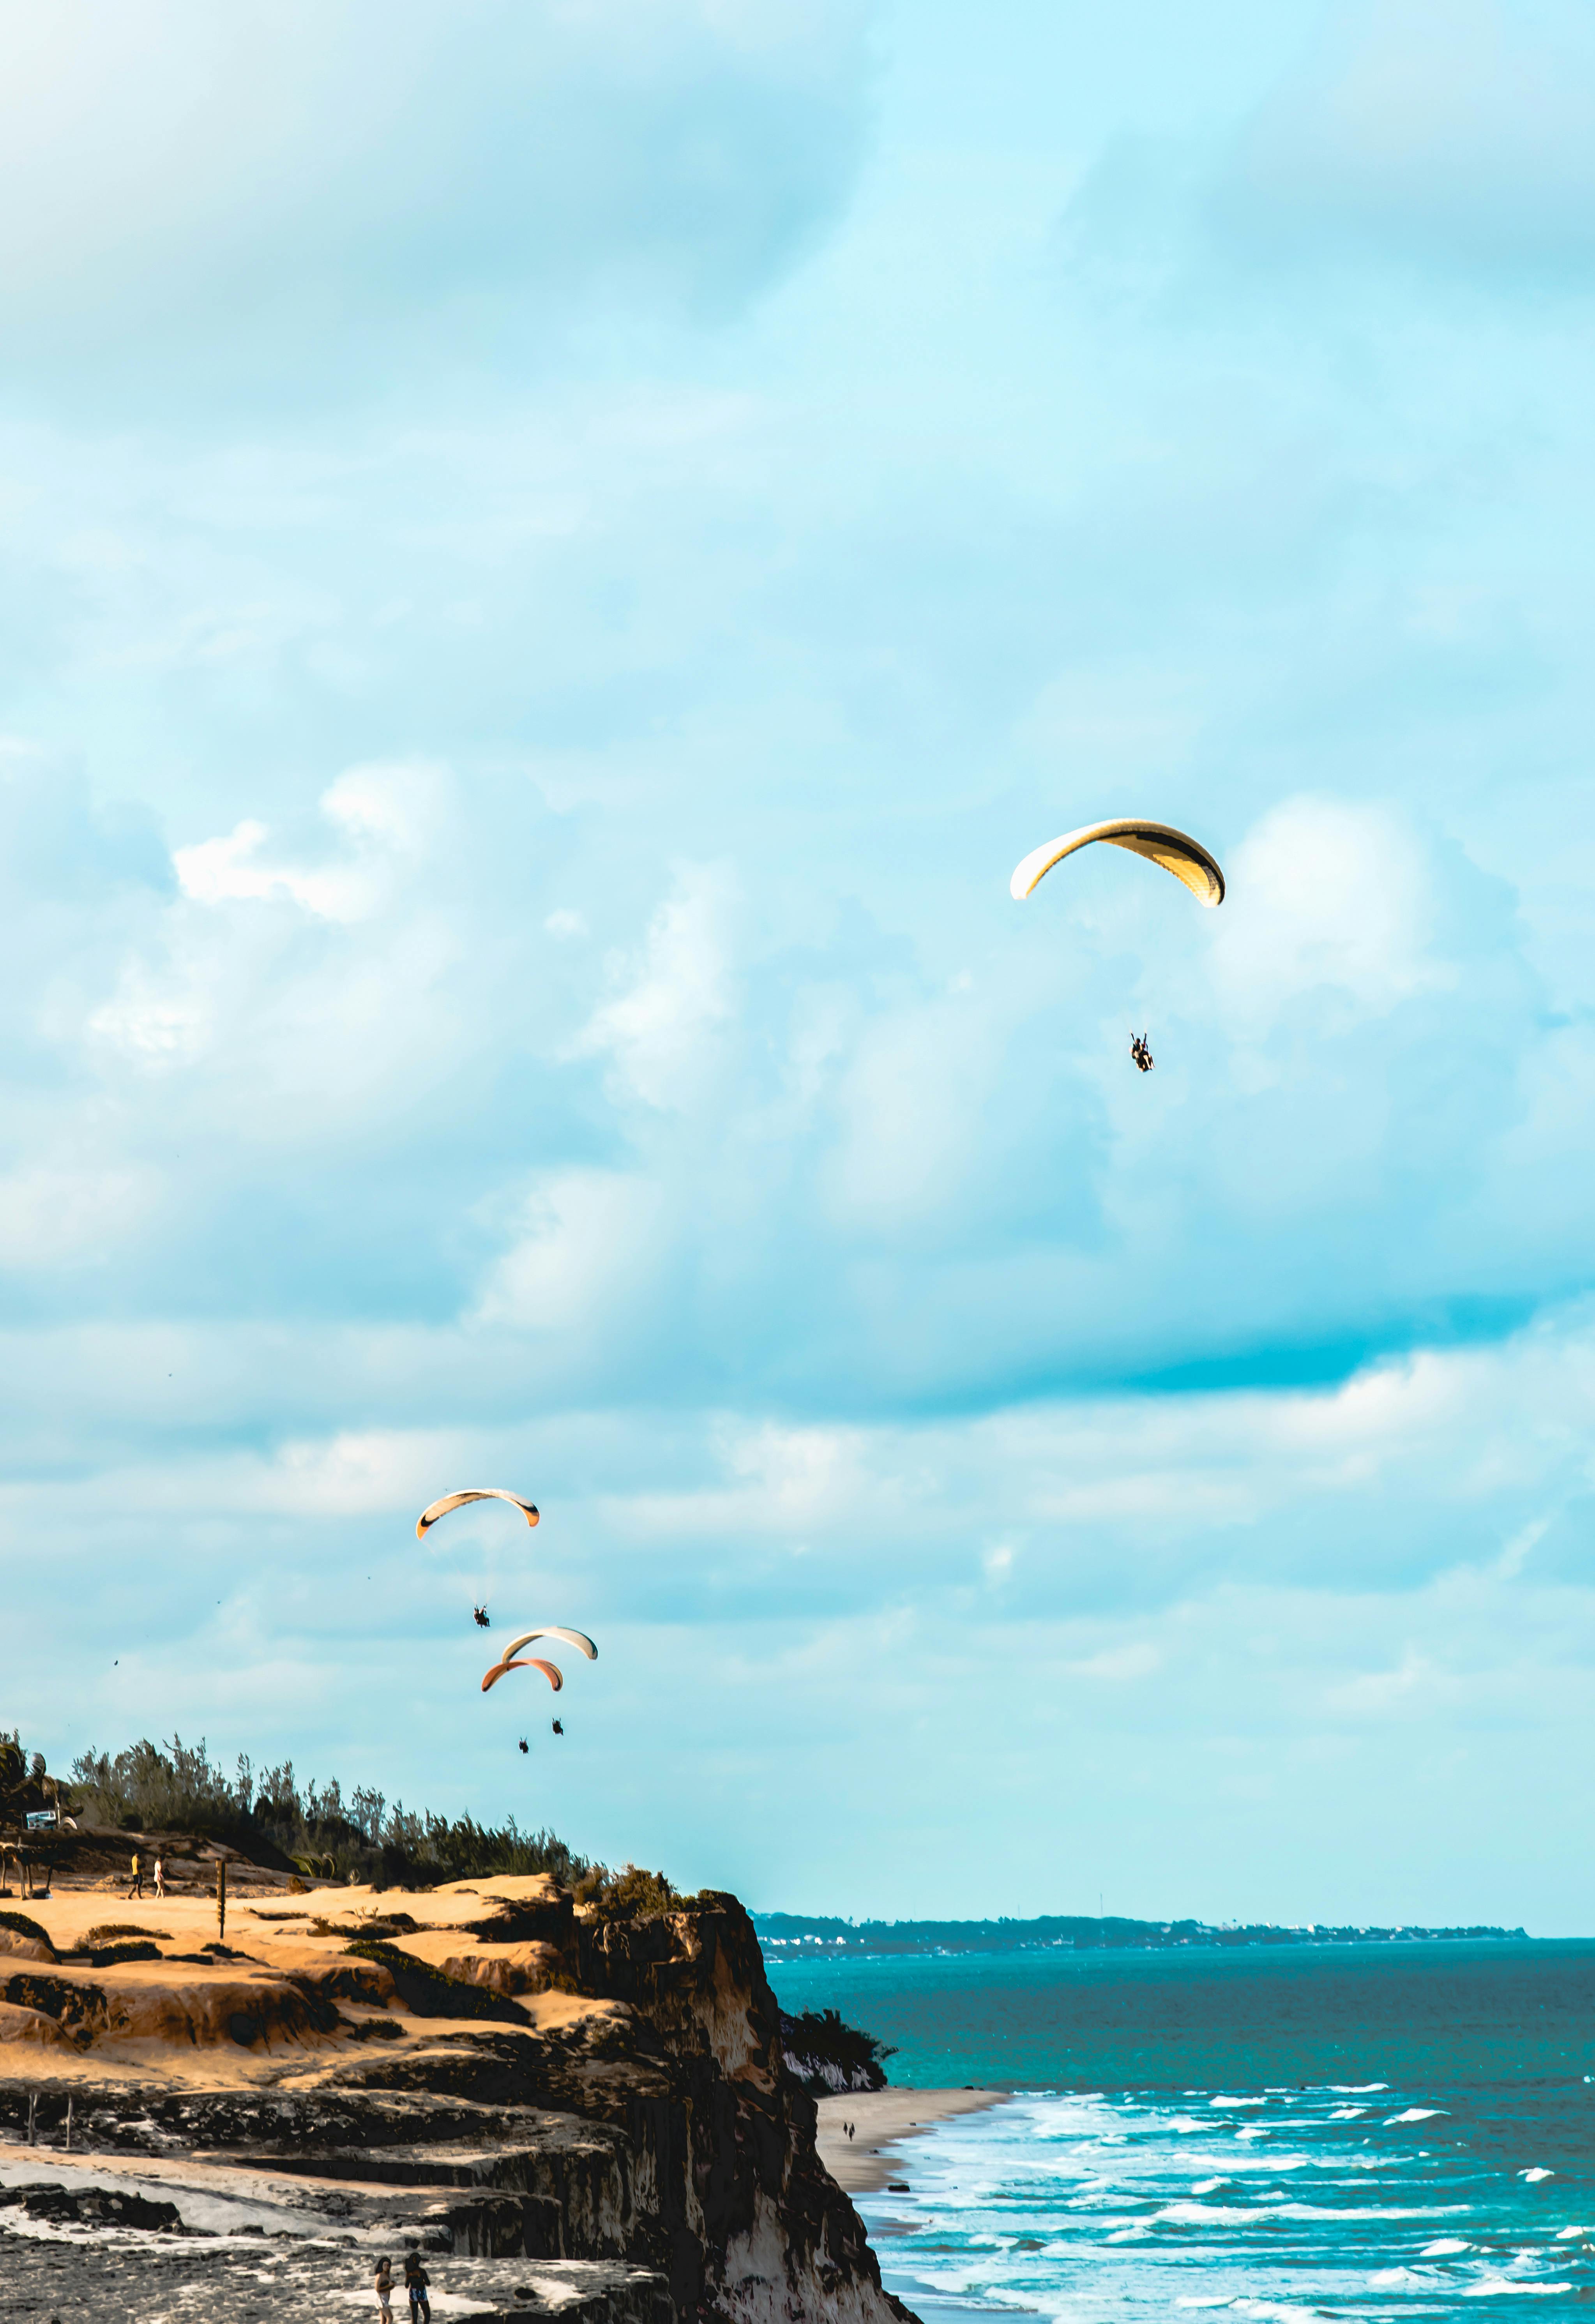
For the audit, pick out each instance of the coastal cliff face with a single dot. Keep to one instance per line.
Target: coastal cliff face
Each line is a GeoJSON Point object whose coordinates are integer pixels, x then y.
{"type": "Point", "coordinates": [600, 2107]}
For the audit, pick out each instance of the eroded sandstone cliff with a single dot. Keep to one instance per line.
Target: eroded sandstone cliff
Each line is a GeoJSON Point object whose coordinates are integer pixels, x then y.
{"type": "Point", "coordinates": [563, 2109]}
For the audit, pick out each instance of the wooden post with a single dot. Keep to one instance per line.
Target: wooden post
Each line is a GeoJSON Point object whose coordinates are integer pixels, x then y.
{"type": "Point", "coordinates": [221, 1900]}
{"type": "Point", "coordinates": [33, 2106]}
{"type": "Point", "coordinates": [69, 2125]}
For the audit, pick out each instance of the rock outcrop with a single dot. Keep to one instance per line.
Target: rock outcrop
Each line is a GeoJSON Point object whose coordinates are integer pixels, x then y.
{"type": "Point", "coordinates": [479, 2070]}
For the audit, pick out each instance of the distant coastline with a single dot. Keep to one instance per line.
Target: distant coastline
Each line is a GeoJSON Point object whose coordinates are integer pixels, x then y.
{"type": "Point", "coordinates": [798, 1934]}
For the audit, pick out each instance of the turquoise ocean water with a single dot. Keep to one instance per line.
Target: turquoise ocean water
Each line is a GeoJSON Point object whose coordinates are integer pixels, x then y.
{"type": "Point", "coordinates": [1360, 2130]}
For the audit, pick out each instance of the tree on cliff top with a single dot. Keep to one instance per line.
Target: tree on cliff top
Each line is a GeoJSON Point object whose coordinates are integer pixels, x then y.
{"type": "Point", "coordinates": [828, 2055]}
{"type": "Point", "coordinates": [26, 1786]}
{"type": "Point", "coordinates": [177, 1788]}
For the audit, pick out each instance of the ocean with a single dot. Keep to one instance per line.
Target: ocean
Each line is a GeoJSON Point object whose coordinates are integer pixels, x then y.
{"type": "Point", "coordinates": [1363, 2131]}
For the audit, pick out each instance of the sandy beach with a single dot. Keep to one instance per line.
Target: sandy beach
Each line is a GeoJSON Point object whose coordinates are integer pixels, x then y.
{"type": "Point", "coordinates": [881, 2120]}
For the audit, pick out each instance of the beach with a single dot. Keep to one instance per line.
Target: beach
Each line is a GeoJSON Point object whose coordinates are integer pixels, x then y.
{"type": "Point", "coordinates": [882, 2120]}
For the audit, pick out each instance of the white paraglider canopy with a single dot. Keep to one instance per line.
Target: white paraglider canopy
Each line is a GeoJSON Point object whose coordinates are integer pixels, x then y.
{"type": "Point", "coordinates": [576, 1638]}
{"type": "Point", "coordinates": [436, 1510]}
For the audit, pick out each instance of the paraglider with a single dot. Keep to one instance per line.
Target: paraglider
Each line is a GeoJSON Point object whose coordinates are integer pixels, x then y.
{"type": "Point", "coordinates": [479, 1616]}
{"type": "Point", "coordinates": [524, 1745]}
{"type": "Point", "coordinates": [550, 1671]}
{"type": "Point", "coordinates": [436, 1510]}
{"type": "Point", "coordinates": [1176, 851]}
{"type": "Point", "coordinates": [576, 1638]}
{"type": "Point", "coordinates": [1159, 842]}
{"type": "Point", "coordinates": [559, 1726]}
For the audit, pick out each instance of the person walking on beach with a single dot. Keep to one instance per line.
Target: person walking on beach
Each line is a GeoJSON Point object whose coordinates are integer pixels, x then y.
{"type": "Point", "coordinates": [385, 2289]}
{"type": "Point", "coordinates": [135, 1887]}
{"type": "Point", "coordinates": [160, 1876]}
{"type": "Point", "coordinates": [417, 2283]}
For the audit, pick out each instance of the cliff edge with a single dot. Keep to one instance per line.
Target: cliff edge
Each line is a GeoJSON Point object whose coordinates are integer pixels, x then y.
{"type": "Point", "coordinates": [567, 2112]}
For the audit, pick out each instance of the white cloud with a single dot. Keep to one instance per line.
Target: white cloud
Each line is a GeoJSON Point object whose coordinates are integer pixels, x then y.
{"type": "Point", "coordinates": [156, 1021]}
{"type": "Point", "coordinates": [664, 1028]}
{"type": "Point", "coordinates": [280, 176]}
{"type": "Point", "coordinates": [1120, 1666]}
{"type": "Point", "coordinates": [384, 812]}
{"type": "Point", "coordinates": [58, 1213]}
{"type": "Point", "coordinates": [587, 1242]}
{"type": "Point", "coordinates": [1328, 896]}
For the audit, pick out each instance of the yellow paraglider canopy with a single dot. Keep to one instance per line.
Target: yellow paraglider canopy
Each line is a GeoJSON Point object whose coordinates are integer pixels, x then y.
{"type": "Point", "coordinates": [1159, 842]}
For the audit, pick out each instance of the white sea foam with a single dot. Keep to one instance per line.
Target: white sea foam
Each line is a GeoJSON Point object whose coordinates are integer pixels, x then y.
{"type": "Point", "coordinates": [1356, 2089]}
{"type": "Point", "coordinates": [1567, 2234]}
{"type": "Point", "coordinates": [1539, 2172]}
{"type": "Point", "coordinates": [1360, 2210]}
{"type": "Point", "coordinates": [1110, 2175]}
{"type": "Point", "coordinates": [1495, 2285]}
{"type": "Point", "coordinates": [1210, 2215]}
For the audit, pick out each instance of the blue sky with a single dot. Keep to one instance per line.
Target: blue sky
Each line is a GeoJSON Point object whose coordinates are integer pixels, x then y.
{"type": "Point", "coordinates": [552, 558]}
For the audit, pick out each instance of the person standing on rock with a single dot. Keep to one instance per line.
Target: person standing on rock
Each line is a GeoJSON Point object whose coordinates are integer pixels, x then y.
{"type": "Point", "coordinates": [417, 2283]}
{"type": "Point", "coordinates": [135, 1887]}
{"type": "Point", "coordinates": [385, 2289]}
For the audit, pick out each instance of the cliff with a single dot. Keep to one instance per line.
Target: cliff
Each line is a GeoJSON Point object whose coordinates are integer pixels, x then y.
{"type": "Point", "coordinates": [567, 2113]}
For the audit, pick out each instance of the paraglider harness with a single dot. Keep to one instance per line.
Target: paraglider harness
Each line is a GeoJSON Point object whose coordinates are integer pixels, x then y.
{"type": "Point", "coordinates": [1139, 1052]}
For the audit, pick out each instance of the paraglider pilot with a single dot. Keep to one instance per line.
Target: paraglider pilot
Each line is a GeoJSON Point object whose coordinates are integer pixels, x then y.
{"type": "Point", "coordinates": [1139, 1052]}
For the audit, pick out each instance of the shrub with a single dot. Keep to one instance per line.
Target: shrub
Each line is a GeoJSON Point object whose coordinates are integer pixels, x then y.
{"type": "Point", "coordinates": [629, 1894]}
{"type": "Point", "coordinates": [827, 2054]}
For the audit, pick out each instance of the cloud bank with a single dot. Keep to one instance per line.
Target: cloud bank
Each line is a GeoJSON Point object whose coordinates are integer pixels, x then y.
{"type": "Point", "coordinates": [508, 968]}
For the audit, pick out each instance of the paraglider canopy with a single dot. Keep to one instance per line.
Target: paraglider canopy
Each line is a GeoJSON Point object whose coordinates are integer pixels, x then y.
{"type": "Point", "coordinates": [550, 1671]}
{"type": "Point", "coordinates": [576, 1638]}
{"type": "Point", "coordinates": [436, 1510]}
{"type": "Point", "coordinates": [1159, 842]}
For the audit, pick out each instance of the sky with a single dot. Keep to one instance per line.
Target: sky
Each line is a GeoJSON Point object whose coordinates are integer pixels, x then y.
{"type": "Point", "coordinates": [554, 554]}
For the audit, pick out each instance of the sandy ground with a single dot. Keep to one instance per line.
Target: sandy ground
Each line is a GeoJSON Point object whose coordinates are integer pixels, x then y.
{"type": "Point", "coordinates": [165, 1999]}
{"type": "Point", "coordinates": [881, 2120]}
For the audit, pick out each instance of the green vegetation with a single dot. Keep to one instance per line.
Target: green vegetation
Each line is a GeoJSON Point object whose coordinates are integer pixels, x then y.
{"type": "Point", "coordinates": [629, 1894]}
{"type": "Point", "coordinates": [827, 2055]}
{"type": "Point", "coordinates": [318, 1829]}
{"type": "Point", "coordinates": [26, 1787]}
{"type": "Point", "coordinates": [326, 1834]}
